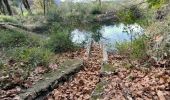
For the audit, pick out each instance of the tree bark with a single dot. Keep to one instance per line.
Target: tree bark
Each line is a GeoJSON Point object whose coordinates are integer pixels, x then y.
{"type": "Point", "coordinates": [2, 8]}
{"type": "Point", "coordinates": [26, 5]}
{"type": "Point", "coordinates": [8, 7]}
{"type": "Point", "coordinates": [20, 5]}
{"type": "Point", "coordinates": [44, 5]}
{"type": "Point", "coordinates": [100, 3]}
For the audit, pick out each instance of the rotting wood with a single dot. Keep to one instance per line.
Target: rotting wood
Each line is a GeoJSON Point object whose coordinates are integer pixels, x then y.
{"type": "Point", "coordinates": [105, 55]}
{"type": "Point", "coordinates": [11, 25]}
{"type": "Point", "coordinates": [88, 48]}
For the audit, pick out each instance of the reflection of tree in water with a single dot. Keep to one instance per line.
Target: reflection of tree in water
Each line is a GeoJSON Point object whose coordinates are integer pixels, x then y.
{"type": "Point", "coordinates": [96, 34]}
{"type": "Point", "coordinates": [134, 31]}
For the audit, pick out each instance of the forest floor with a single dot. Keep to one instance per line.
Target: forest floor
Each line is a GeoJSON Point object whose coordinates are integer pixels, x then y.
{"type": "Point", "coordinates": [81, 87]}
{"type": "Point", "coordinates": [136, 83]}
{"type": "Point", "coordinates": [124, 83]}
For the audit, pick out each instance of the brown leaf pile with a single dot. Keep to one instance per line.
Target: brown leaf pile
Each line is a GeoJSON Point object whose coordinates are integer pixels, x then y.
{"type": "Point", "coordinates": [84, 82]}
{"type": "Point", "coordinates": [137, 83]}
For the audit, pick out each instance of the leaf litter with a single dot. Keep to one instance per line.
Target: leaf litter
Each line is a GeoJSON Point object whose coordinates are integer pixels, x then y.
{"type": "Point", "coordinates": [15, 79]}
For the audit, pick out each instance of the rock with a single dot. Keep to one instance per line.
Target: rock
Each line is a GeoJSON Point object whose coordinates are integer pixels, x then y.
{"type": "Point", "coordinates": [51, 80]}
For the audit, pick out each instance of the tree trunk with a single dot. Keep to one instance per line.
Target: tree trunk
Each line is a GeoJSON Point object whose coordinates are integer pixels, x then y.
{"type": "Point", "coordinates": [44, 5]}
{"type": "Point", "coordinates": [100, 3]}
{"type": "Point", "coordinates": [20, 5]}
{"type": "Point", "coordinates": [26, 5]}
{"type": "Point", "coordinates": [8, 7]}
{"type": "Point", "coordinates": [2, 8]}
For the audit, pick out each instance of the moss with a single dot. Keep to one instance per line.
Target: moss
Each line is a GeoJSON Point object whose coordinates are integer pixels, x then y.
{"type": "Point", "coordinates": [108, 68]}
{"type": "Point", "coordinates": [128, 66]}
{"type": "Point", "coordinates": [53, 79]}
{"type": "Point", "coordinates": [98, 90]}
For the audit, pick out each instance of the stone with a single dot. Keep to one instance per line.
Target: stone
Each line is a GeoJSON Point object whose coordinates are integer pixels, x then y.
{"type": "Point", "coordinates": [52, 79]}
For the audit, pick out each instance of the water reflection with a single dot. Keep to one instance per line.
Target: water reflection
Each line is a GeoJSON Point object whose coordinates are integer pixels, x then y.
{"type": "Point", "coordinates": [80, 37]}
{"type": "Point", "coordinates": [108, 35]}
{"type": "Point", "coordinates": [119, 33]}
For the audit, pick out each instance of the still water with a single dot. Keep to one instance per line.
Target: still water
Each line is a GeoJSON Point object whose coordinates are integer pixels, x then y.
{"type": "Point", "coordinates": [107, 34]}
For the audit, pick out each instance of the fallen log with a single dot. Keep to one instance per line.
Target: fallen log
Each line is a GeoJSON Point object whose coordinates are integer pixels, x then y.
{"type": "Point", "coordinates": [11, 25]}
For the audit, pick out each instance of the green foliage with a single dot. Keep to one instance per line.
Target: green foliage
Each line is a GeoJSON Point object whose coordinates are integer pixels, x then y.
{"type": "Point", "coordinates": [60, 40]}
{"type": "Point", "coordinates": [31, 56]}
{"type": "Point", "coordinates": [96, 35]}
{"type": "Point", "coordinates": [123, 47]}
{"type": "Point", "coordinates": [96, 10]}
{"type": "Point", "coordinates": [1, 64]}
{"type": "Point", "coordinates": [139, 47]}
{"type": "Point", "coordinates": [156, 3]}
{"type": "Point", "coordinates": [12, 19]}
{"type": "Point", "coordinates": [135, 49]}
{"type": "Point", "coordinates": [130, 15]}
{"type": "Point", "coordinates": [10, 39]}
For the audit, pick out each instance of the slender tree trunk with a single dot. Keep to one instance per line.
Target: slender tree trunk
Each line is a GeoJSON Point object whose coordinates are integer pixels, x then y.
{"type": "Point", "coordinates": [20, 5]}
{"type": "Point", "coordinates": [44, 5]}
{"type": "Point", "coordinates": [8, 7]}
{"type": "Point", "coordinates": [2, 7]}
{"type": "Point", "coordinates": [100, 3]}
{"type": "Point", "coordinates": [26, 5]}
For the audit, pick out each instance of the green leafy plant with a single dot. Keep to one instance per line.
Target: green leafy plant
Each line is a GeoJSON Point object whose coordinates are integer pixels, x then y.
{"type": "Point", "coordinates": [4, 18]}
{"type": "Point", "coordinates": [31, 56]}
{"type": "Point", "coordinates": [130, 15]}
{"type": "Point", "coordinates": [156, 3]}
{"type": "Point", "coordinates": [1, 64]}
{"type": "Point", "coordinates": [136, 49]}
{"type": "Point", "coordinates": [96, 10]}
{"type": "Point", "coordinates": [10, 39]}
{"type": "Point", "coordinates": [60, 40]}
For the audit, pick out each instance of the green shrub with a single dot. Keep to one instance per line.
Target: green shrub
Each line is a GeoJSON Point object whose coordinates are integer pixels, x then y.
{"type": "Point", "coordinates": [31, 56]}
{"type": "Point", "coordinates": [60, 40]}
{"type": "Point", "coordinates": [96, 11]}
{"type": "Point", "coordinates": [123, 47]}
{"type": "Point", "coordinates": [4, 18]}
{"type": "Point", "coordinates": [135, 49]}
{"type": "Point", "coordinates": [139, 47]}
{"type": "Point", "coordinates": [130, 15]}
{"type": "Point", "coordinates": [1, 64]}
{"type": "Point", "coordinates": [156, 3]}
{"type": "Point", "coordinates": [10, 39]}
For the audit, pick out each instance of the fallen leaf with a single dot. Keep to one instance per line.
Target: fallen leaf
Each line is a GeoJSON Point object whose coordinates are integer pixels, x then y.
{"type": "Point", "coordinates": [161, 95]}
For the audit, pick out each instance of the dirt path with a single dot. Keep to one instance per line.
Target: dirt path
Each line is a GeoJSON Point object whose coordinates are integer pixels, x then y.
{"type": "Point", "coordinates": [81, 87]}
